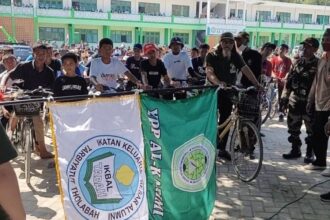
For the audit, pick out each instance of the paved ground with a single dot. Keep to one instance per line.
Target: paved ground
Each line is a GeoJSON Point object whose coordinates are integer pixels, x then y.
{"type": "Point", "coordinates": [278, 183]}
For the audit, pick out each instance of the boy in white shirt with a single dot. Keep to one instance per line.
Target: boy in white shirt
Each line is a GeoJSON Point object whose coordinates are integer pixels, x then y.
{"type": "Point", "coordinates": [106, 70]}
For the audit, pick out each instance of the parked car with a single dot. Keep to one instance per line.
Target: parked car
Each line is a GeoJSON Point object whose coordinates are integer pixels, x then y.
{"type": "Point", "coordinates": [21, 51]}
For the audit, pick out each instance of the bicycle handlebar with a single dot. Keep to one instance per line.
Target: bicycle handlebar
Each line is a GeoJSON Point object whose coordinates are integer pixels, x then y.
{"type": "Point", "coordinates": [238, 89]}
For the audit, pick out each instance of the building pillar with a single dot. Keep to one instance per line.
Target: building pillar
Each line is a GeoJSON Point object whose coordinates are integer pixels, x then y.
{"type": "Point", "coordinates": [252, 44]}
{"type": "Point", "coordinates": [71, 33]}
{"type": "Point", "coordinates": [293, 40]}
{"type": "Point", "coordinates": [200, 5]}
{"type": "Point", "coordinates": [166, 38]}
{"type": "Point", "coordinates": [193, 38]}
{"type": "Point", "coordinates": [272, 37]}
{"type": "Point", "coordinates": [141, 35]}
{"type": "Point", "coordinates": [301, 37]}
{"type": "Point", "coordinates": [35, 29]}
{"type": "Point", "coordinates": [280, 38]}
{"type": "Point", "coordinates": [313, 35]}
{"type": "Point", "coordinates": [257, 40]}
{"type": "Point", "coordinates": [106, 32]}
{"type": "Point", "coordinates": [136, 35]}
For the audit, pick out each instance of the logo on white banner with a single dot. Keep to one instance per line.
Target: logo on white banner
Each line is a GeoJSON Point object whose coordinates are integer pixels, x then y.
{"type": "Point", "coordinates": [105, 178]}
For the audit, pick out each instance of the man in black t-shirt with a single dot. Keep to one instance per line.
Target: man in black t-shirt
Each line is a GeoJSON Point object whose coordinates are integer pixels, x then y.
{"type": "Point", "coordinates": [222, 66]}
{"type": "Point", "coordinates": [53, 63]}
{"type": "Point", "coordinates": [198, 62]}
{"type": "Point", "coordinates": [133, 64]}
{"type": "Point", "coordinates": [35, 74]}
{"type": "Point", "coordinates": [70, 83]}
{"type": "Point", "coordinates": [153, 69]}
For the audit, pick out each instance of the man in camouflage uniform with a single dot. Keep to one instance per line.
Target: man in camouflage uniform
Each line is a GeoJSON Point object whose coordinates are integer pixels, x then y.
{"type": "Point", "coordinates": [295, 95]}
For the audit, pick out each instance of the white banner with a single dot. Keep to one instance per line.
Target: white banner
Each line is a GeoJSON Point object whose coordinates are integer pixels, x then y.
{"type": "Point", "coordinates": [218, 29]}
{"type": "Point", "coordinates": [100, 158]}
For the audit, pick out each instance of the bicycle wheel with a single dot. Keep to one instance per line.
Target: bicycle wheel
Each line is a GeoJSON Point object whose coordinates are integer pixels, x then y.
{"type": "Point", "coordinates": [265, 109]}
{"type": "Point", "coordinates": [27, 141]}
{"type": "Point", "coordinates": [246, 150]}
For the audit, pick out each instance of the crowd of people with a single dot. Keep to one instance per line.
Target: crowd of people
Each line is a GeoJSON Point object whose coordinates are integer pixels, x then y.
{"type": "Point", "coordinates": [303, 84]}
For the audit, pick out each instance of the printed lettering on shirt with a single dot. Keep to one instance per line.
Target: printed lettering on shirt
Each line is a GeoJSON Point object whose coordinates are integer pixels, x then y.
{"type": "Point", "coordinates": [108, 77]}
{"type": "Point", "coordinates": [153, 73]}
{"type": "Point", "coordinates": [134, 67]}
{"type": "Point", "coordinates": [177, 61]}
{"type": "Point", "coordinates": [233, 69]}
{"type": "Point", "coordinates": [71, 87]}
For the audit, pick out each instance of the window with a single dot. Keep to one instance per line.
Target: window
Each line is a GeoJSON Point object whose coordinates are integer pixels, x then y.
{"type": "Point", "coordinates": [240, 13]}
{"type": "Point", "coordinates": [17, 3]}
{"type": "Point", "coordinates": [120, 6]}
{"type": "Point", "coordinates": [151, 37]}
{"type": "Point", "coordinates": [51, 34]}
{"type": "Point", "coordinates": [180, 10]}
{"type": "Point", "coordinates": [263, 15]}
{"type": "Point", "coordinates": [149, 8]}
{"type": "Point", "coordinates": [121, 36]}
{"type": "Point", "coordinates": [322, 19]}
{"type": "Point", "coordinates": [58, 4]}
{"type": "Point", "coordinates": [232, 13]}
{"type": "Point", "coordinates": [283, 16]}
{"type": "Point", "coordinates": [5, 2]}
{"type": "Point", "coordinates": [84, 5]}
{"type": "Point", "coordinates": [305, 18]}
{"type": "Point", "coordinates": [85, 35]}
{"type": "Point", "coordinates": [184, 37]}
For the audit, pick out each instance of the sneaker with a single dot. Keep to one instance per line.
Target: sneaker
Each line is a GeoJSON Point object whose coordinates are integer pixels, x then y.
{"type": "Point", "coordinates": [326, 172]}
{"type": "Point", "coordinates": [309, 159]}
{"type": "Point", "coordinates": [224, 154]}
{"type": "Point", "coordinates": [281, 117]}
{"type": "Point", "coordinates": [311, 166]}
{"type": "Point", "coordinates": [325, 197]}
{"type": "Point", "coordinates": [292, 155]}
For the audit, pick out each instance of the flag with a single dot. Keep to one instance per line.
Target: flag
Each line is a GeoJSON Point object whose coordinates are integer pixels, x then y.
{"type": "Point", "coordinates": [180, 140]}
{"type": "Point", "coordinates": [100, 158]}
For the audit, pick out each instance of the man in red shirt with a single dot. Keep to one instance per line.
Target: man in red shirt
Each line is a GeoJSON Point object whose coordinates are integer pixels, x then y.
{"type": "Point", "coordinates": [281, 67]}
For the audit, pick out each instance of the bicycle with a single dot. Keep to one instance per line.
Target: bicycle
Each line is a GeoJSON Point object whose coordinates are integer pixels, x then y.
{"type": "Point", "coordinates": [24, 134]}
{"type": "Point", "coordinates": [245, 141]}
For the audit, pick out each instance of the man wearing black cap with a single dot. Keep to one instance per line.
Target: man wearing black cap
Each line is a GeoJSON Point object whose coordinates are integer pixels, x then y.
{"type": "Point", "coordinates": [133, 63]}
{"type": "Point", "coordinates": [294, 97]}
{"type": "Point", "coordinates": [178, 64]}
{"type": "Point", "coordinates": [281, 67]}
{"type": "Point", "coordinates": [53, 63]}
{"type": "Point", "coordinates": [222, 67]}
{"type": "Point", "coordinates": [35, 74]}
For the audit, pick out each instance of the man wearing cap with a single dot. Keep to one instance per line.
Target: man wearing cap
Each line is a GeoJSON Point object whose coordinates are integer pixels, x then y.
{"type": "Point", "coordinates": [222, 66]}
{"type": "Point", "coordinates": [281, 67]}
{"type": "Point", "coordinates": [153, 69]}
{"type": "Point", "coordinates": [251, 57]}
{"type": "Point", "coordinates": [294, 97]}
{"type": "Point", "coordinates": [53, 63]}
{"type": "Point", "coordinates": [319, 97]}
{"type": "Point", "coordinates": [4, 51]}
{"type": "Point", "coordinates": [178, 63]}
{"type": "Point", "coordinates": [198, 62]}
{"type": "Point", "coordinates": [35, 74]}
{"type": "Point", "coordinates": [133, 63]}
{"type": "Point", "coordinates": [266, 50]}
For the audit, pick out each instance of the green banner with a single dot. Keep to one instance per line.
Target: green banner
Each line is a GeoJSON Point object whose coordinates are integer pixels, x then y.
{"type": "Point", "coordinates": [180, 140]}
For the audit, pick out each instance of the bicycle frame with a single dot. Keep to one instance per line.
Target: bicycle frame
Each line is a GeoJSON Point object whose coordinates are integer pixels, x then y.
{"type": "Point", "coordinates": [229, 123]}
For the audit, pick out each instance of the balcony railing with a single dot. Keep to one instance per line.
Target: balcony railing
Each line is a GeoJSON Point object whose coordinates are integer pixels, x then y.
{"type": "Point", "coordinates": [151, 18]}
{"type": "Point", "coordinates": [293, 25]}
{"type": "Point", "coordinates": [23, 11]}
{"type": "Point", "coordinates": [271, 24]}
{"type": "Point", "coordinates": [54, 12]}
{"type": "Point", "coordinates": [90, 14]}
{"type": "Point", "coordinates": [5, 9]}
{"type": "Point", "coordinates": [313, 26]}
{"type": "Point", "coordinates": [125, 17]}
{"type": "Point", "coordinates": [186, 20]}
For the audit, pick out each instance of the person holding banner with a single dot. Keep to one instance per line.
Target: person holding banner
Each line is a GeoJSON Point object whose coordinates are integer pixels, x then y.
{"type": "Point", "coordinates": [222, 67]}
{"type": "Point", "coordinates": [11, 206]}
{"type": "Point", "coordinates": [106, 70]}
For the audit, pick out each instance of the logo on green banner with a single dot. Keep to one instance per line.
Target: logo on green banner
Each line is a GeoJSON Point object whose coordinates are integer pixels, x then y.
{"type": "Point", "coordinates": [192, 164]}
